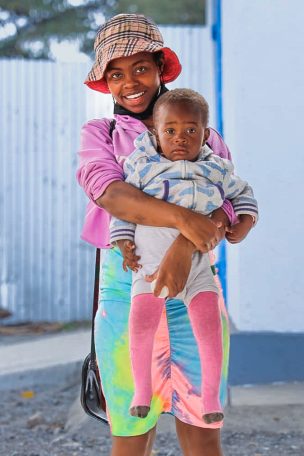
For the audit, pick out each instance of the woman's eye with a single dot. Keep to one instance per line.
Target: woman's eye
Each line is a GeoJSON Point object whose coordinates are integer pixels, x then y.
{"type": "Point", "coordinates": [141, 69]}
{"type": "Point", "coordinates": [115, 75]}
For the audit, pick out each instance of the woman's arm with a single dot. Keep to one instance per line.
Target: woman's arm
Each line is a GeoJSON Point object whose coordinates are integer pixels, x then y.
{"type": "Point", "coordinates": [126, 202]}
{"type": "Point", "coordinates": [218, 145]}
{"type": "Point", "coordinates": [98, 166]}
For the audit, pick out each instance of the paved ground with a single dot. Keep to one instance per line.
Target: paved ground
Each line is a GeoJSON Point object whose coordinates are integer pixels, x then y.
{"type": "Point", "coordinates": [41, 416]}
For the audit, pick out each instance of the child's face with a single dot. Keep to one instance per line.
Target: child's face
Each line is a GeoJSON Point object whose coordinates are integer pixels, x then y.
{"type": "Point", "coordinates": [179, 131]}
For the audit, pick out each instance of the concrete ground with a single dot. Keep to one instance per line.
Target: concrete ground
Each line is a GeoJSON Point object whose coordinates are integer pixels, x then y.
{"type": "Point", "coordinates": [258, 418]}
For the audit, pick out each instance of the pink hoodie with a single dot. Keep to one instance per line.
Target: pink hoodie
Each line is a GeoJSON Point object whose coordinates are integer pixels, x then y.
{"type": "Point", "coordinates": [101, 159]}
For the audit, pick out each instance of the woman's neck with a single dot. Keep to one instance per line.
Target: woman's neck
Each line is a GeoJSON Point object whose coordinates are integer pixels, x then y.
{"type": "Point", "coordinates": [149, 123]}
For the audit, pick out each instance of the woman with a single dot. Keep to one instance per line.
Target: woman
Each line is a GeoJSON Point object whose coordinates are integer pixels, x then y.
{"type": "Point", "coordinates": [133, 65]}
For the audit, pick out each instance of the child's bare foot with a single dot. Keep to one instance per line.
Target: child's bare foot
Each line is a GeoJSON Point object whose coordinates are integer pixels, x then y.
{"type": "Point", "coordinates": [141, 411]}
{"type": "Point", "coordinates": [213, 417]}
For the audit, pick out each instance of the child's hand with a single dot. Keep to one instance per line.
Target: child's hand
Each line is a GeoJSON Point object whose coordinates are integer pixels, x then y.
{"type": "Point", "coordinates": [236, 233]}
{"type": "Point", "coordinates": [130, 259]}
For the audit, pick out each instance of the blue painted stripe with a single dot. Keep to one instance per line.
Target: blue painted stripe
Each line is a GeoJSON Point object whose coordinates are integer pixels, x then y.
{"type": "Point", "coordinates": [266, 357]}
{"type": "Point", "coordinates": [217, 38]}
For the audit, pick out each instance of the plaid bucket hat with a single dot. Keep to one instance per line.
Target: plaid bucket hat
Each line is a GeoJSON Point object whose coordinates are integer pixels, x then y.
{"type": "Point", "coordinates": [125, 35]}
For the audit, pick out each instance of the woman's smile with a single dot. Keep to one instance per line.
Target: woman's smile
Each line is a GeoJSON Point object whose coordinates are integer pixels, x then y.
{"type": "Point", "coordinates": [134, 96]}
{"type": "Point", "coordinates": [136, 99]}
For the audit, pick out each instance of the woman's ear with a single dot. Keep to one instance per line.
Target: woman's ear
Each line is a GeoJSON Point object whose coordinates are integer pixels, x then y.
{"type": "Point", "coordinates": [161, 65]}
{"type": "Point", "coordinates": [206, 135]}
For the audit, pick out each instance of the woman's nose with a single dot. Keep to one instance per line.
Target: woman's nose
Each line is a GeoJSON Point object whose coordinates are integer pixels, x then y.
{"type": "Point", "coordinates": [130, 80]}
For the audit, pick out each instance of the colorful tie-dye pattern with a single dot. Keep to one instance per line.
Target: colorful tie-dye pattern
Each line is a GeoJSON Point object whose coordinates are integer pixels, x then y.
{"type": "Point", "coordinates": [176, 371]}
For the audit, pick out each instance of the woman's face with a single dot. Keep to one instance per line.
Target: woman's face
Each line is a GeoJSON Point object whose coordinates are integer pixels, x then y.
{"type": "Point", "coordinates": [134, 80]}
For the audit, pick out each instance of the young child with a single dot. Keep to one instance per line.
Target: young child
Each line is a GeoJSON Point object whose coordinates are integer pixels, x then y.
{"type": "Point", "coordinates": [178, 166]}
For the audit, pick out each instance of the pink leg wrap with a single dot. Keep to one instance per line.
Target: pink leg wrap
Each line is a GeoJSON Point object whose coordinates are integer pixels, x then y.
{"type": "Point", "coordinates": [205, 319]}
{"type": "Point", "coordinates": [145, 315]}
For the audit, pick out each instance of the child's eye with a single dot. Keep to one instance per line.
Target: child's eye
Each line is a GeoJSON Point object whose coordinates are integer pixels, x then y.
{"type": "Point", "coordinates": [169, 131]}
{"type": "Point", "coordinates": [191, 130]}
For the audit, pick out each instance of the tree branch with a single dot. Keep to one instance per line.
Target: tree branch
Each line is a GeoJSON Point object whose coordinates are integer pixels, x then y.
{"type": "Point", "coordinates": [7, 45]}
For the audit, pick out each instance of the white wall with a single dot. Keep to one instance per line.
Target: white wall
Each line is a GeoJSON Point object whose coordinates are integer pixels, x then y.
{"type": "Point", "coordinates": [263, 85]}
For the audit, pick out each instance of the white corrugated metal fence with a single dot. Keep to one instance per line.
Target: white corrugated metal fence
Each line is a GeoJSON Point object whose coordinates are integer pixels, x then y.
{"type": "Point", "coordinates": [46, 270]}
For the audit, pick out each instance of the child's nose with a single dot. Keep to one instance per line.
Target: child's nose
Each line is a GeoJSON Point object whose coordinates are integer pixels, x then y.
{"type": "Point", "coordinates": [180, 139]}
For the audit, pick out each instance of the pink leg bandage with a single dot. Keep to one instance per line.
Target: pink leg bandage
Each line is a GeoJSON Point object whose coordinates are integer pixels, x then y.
{"type": "Point", "coordinates": [204, 314]}
{"type": "Point", "coordinates": [145, 316]}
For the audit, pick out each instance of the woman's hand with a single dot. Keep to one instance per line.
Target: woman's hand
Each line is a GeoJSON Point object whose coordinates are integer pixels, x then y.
{"type": "Point", "coordinates": [219, 215]}
{"type": "Point", "coordinates": [201, 230]}
{"type": "Point", "coordinates": [174, 269]}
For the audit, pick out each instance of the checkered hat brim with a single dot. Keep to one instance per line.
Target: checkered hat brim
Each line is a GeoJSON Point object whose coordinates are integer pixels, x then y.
{"type": "Point", "coordinates": [125, 35]}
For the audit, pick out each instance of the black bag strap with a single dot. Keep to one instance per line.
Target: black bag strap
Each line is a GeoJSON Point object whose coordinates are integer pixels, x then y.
{"type": "Point", "coordinates": [95, 301]}
{"type": "Point", "coordinates": [96, 281]}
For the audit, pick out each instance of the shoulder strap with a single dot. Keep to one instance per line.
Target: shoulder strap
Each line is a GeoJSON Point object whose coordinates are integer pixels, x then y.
{"type": "Point", "coordinates": [112, 127]}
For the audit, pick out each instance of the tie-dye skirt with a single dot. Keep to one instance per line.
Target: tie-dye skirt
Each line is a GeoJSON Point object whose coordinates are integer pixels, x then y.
{"type": "Point", "coordinates": [176, 370]}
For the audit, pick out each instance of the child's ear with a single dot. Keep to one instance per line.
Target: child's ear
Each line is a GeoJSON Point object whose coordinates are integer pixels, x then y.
{"type": "Point", "coordinates": [206, 135]}
{"type": "Point", "coordinates": [158, 147]}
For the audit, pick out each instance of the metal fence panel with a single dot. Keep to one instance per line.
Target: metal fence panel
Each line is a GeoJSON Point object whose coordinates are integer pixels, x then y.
{"type": "Point", "coordinates": [46, 270]}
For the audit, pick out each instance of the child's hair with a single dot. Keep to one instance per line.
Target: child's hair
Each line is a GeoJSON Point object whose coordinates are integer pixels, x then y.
{"type": "Point", "coordinates": [185, 96]}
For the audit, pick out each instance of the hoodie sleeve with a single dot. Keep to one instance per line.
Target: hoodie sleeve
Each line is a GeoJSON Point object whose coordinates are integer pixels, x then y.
{"type": "Point", "coordinates": [120, 229]}
{"type": "Point", "coordinates": [97, 163]}
{"type": "Point", "coordinates": [239, 193]}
